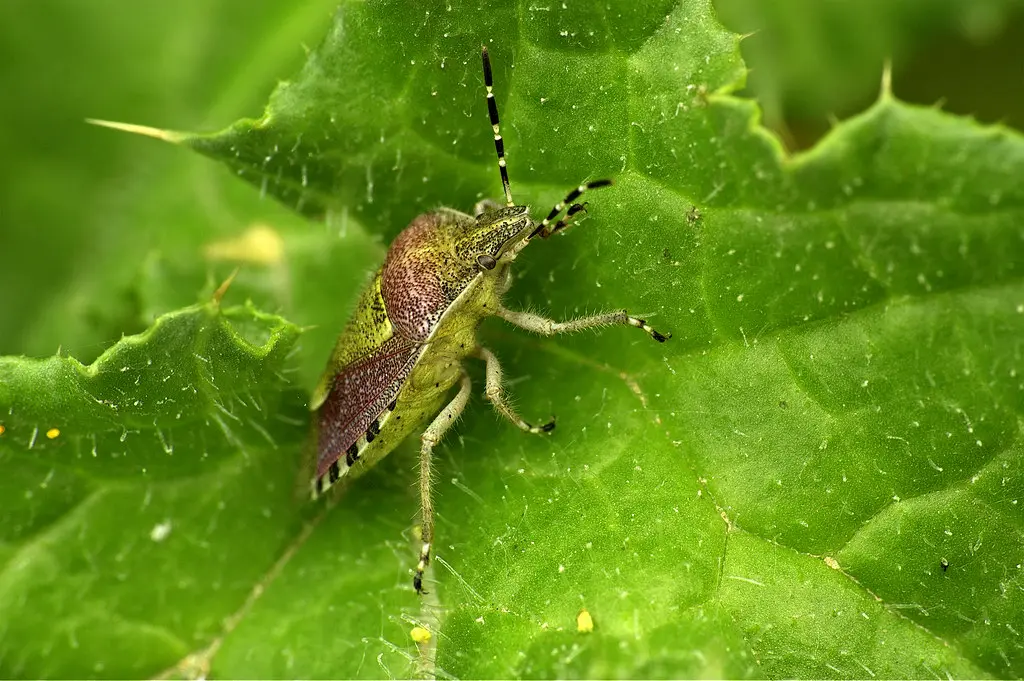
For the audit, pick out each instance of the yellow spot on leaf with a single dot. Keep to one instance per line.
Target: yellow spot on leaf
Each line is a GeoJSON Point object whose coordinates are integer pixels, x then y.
{"type": "Point", "coordinates": [584, 622]}
{"type": "Point", "coordinates": [259, 244]}
{"type": "Point", "coordinates": [2, 430]}
{"type": "Point", "coordinates": [420, 634]}
{"type": "Point", "coordinates": [53, 433]}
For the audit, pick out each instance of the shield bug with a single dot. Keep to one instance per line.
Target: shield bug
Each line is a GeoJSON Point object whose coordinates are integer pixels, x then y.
{"type": "Point", "coordinates": [401, 354]}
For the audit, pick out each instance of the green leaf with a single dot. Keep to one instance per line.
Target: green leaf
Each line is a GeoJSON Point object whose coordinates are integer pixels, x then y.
{"type": "Point", "coordinates": [815, 59]}
{"type": "Point", "coordinates": [143, 494]}
{"type": "Point", "coordinates": [83, 206]}
{"type": "Point", "coordinates": [771, 493]}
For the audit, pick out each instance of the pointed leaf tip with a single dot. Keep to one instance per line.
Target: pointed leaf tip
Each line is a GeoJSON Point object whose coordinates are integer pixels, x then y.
{"type": "Point", "coordinates": [886, 88]}
{"type": "Point", "coordinates": [171, 136]}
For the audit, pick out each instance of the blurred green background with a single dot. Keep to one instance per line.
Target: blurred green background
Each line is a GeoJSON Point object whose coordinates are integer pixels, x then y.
{"type": "Point", "coordinates": [83, 210]}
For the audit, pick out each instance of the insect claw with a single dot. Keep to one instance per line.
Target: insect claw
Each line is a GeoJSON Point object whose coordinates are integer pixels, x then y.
{"type": "Point", "coordinates": [642, 324]}
{"type": "Point", "coordinates": [421, 567]}
{"type": "Point", "coordinates": [537, 430]}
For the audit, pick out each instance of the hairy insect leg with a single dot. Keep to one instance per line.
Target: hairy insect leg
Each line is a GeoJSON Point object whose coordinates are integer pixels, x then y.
{"type": "Point", "coordinates": [485, 206]}
{"type": "Point", "coordinates": [550, 327]}
{"type": "Point", "coordinates": [456, 214]}
{"type": "Point", "coordinates": [431, 436]}
{"type": "Point", "coordinates": [545, 229]}
{"type": "Point", "coordinates": [496, 395]}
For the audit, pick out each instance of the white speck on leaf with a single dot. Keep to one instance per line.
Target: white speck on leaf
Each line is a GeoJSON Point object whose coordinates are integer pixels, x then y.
{"type": "Point", "coordinates": [160, 531]}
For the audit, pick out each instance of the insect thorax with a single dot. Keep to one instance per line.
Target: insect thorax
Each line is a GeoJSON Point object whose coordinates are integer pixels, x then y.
{"type": "Point", "coordinates": [445, 264]}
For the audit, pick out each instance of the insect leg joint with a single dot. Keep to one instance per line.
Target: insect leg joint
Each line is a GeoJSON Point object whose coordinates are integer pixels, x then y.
{"type": "Point", "coordinates": [495, 394]}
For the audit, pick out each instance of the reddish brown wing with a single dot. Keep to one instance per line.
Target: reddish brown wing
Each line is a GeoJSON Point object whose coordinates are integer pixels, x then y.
{"type": "Point", "coordinates": [361, 391]}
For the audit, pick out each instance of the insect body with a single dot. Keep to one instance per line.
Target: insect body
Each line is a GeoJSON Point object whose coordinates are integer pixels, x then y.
{"type": "Point", "coordinates": [396, 362]}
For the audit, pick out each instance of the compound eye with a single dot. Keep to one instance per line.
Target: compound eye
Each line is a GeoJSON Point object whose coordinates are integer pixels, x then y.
{"type": "Point", "coordinates": [486, 262]}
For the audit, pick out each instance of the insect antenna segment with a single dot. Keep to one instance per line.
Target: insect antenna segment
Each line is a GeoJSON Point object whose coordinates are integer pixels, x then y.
{"type": "Point", "coordinates": [544, 230]}
{"type": "Point", "coordinates": [573, 210]}
{"type": "Point", "coordinates": [492, 110]}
